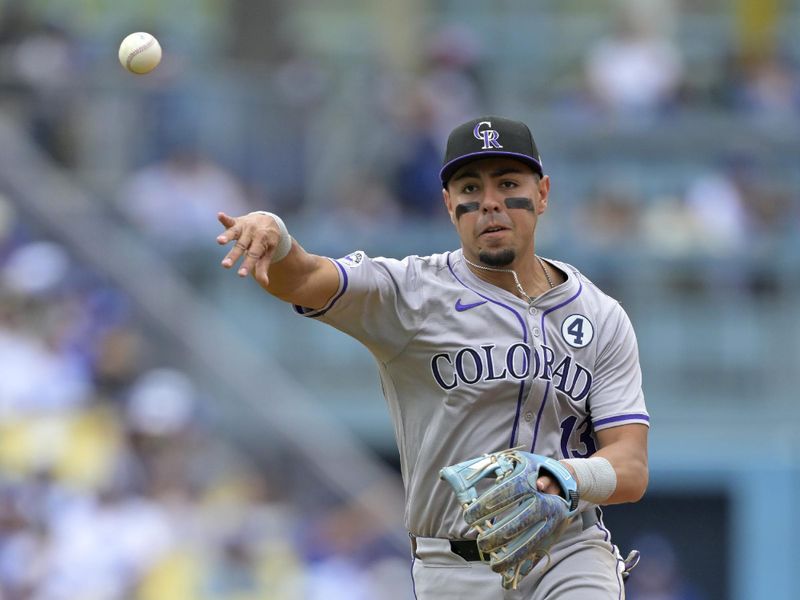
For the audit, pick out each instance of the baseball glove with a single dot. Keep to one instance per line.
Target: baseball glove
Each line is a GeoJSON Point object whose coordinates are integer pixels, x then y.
{"type": "Point", "coordinates": [516, 524]}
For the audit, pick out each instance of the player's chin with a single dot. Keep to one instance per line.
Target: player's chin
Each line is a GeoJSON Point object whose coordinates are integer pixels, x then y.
{"type": "Point", "coordinates": [497, 257]}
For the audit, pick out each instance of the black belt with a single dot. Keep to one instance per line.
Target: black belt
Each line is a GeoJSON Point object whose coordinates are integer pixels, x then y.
{"type": "Point", "coordinates": [468, 549]}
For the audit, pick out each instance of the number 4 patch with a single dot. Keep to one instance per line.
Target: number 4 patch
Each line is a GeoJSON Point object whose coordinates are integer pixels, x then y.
{"type": "Point", "coordinates": [577, 331]}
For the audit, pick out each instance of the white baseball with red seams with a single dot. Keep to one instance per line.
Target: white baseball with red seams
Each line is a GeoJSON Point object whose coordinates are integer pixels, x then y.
{"type": "Point", "coordinates": [140, 53]}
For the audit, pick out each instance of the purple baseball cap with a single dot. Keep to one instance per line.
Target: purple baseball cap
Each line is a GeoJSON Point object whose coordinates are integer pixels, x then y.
{"type": "Point", "coordinates": [486, 137]}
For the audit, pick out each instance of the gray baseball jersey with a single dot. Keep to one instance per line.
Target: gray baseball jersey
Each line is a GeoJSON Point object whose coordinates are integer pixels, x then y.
{"type": "Point", "coordinates": [468, 368]}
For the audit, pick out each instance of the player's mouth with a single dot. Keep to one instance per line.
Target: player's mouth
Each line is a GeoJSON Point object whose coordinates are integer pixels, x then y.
{"type": "Point", "coordinates": [493, 231]}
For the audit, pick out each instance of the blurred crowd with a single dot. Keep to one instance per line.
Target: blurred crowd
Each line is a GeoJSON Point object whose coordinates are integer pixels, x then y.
{"type": "Point", "coordinates": [113, 485]}
{"type": "Point", "coordinates": [638, 73]}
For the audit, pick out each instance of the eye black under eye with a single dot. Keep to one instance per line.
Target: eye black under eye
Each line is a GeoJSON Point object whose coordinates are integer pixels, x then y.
{"type": "Point", "coordinates": [525, 203]}
{"type": "Point", "coordinates": [466, 207]}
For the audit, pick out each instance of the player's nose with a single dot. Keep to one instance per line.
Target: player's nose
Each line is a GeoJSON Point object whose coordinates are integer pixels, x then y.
{"type": "Point", "coordinates": [492, 201]}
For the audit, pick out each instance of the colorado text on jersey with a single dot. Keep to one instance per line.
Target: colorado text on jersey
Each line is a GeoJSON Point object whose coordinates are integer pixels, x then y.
{"type": "Point", "coordinates": [520, 361]}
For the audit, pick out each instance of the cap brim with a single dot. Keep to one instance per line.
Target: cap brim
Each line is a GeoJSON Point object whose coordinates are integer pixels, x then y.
{"type": "Point", "coordinates": [454, 165]}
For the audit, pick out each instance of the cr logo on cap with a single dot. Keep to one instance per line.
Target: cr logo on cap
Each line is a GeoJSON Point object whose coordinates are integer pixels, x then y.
{"type": "Point", "coordinates": [489, 136]}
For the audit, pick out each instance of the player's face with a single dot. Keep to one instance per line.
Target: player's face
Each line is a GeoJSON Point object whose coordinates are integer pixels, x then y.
{"type": "Point", "coordinates": [495, 204]}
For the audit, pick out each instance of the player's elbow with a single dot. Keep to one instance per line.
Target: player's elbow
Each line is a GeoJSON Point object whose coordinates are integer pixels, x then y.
{"type": "Point", "coordinates": [638, 480]}
{"type": "Point", "coordinates": [642, 488]}
{"type": "Point", "coordinates": [632, 480]}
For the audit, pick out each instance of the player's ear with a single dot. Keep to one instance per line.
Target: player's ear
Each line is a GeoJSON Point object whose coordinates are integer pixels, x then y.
{"type": "Point", "coordinates": [448, 205]}
{"type": "Point", "coordinates": [544, 194]}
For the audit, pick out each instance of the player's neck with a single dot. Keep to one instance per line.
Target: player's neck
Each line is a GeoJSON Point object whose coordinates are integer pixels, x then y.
{"type": "Point", "coordinates": [526, 277]}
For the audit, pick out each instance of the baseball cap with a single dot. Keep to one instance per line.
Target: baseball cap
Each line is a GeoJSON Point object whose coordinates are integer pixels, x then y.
{"type": "Point", "coordinates": [486, 137]}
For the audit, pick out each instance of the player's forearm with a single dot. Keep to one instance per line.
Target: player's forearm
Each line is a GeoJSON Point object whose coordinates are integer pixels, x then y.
{"type": "Point", "coordinates": [631, 471]}
{"type": "Point", "coordinates": [601, 481]}
{"type": "Point", "coordinates": [301, 278]}
{"type": "Point", "coordinates": [618, 472]}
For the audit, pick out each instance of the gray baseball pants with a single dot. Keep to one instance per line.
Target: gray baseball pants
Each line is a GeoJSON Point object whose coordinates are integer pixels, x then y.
{"type": "Point", "coordinates": [584, 565]}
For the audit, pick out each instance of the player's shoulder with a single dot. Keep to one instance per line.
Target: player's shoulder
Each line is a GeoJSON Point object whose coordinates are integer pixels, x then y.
{"type": "Point", "coordinates": [591, 294]}
{"type": "Point", "coordinates": [606, 313]}
{"type": "Point", "coordinates": [431, 263]}
{"type": "Point", "coordinates": [409, 273]}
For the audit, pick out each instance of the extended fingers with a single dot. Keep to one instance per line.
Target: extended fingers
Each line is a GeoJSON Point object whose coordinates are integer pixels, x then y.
{"type": "Point", "coordinates": [232, 233]}
{"type": "Point", "coordinates": [226, 220]}
{"type": "Point", "coordinates": [262, 269]}
{"type": "Point", "coordinates": [241, 246]}
{"type": "Point", "coordinates": [254, 242]}
{"type": "Point", "coordinates": [257, 250]}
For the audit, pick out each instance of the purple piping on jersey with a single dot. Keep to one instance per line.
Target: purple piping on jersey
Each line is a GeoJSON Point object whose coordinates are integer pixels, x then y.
{"type": "Point", "coordinates": [521, 395]}
{"type": "Point", "coordinates": [307, 313]}
{"type": "Point", "coordinates": [606, 533]}
{"type": "Point", "coordinates": [544, 341]}
{"type": "Point", "coordinates": [636, 416]}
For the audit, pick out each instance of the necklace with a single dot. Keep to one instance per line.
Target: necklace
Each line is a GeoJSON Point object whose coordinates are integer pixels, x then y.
{"type": "Point", "coordinates": [520, 289]}
{"type": "Point", "coordinates": [546, 274]}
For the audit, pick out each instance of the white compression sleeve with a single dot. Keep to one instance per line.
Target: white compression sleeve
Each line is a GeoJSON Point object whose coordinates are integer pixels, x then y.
{"type": "Point", "coordinates": [285, 241]}
{"type": "Point", "coordinates": [596, 478]}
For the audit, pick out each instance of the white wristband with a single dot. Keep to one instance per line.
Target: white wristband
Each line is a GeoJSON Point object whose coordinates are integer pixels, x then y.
{"type": "Point", "coordinates": [596, 478]}
{"type": "Point", "coordinates": [285, 241]}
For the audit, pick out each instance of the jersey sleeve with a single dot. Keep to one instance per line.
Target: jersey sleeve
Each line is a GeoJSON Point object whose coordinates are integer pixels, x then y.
{"type": "Point", "coordinates": [378, 302]}
{"type": "Point", "coordinates": [616, 397]}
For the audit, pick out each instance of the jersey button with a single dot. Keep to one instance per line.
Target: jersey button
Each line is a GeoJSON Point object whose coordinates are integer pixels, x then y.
{"type": "Point", "coordinates": [532, 310]}
{"type": "Point", "coordinates": [529, 416]}
{"type": "Point", "coordinates": [536, 332]}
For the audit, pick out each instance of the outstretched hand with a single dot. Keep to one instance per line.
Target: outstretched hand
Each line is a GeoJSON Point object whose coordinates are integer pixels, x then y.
{"type": "Point", "coordinates": [256, 237]}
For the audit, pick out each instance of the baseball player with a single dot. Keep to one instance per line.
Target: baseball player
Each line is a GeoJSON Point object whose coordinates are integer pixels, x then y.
{"type": "Point", "coordinates": [480, 350]}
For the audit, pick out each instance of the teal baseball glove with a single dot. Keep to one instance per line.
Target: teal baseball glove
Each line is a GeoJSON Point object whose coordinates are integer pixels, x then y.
{"type": "Point", "coordinates": [516, 524]}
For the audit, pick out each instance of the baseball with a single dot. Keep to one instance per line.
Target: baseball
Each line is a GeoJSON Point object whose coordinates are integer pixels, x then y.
{"type": "Point", "coordinates": [140, 53]}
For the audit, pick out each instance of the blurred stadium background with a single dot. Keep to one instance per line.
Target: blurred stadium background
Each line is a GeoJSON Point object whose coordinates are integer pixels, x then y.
{"type": "Point", "coordinates": [168, 431]}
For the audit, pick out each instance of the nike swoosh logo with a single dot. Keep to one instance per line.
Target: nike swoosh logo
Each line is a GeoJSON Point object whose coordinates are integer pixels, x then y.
{"type": "Point", "coordinates": [462, 307]}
